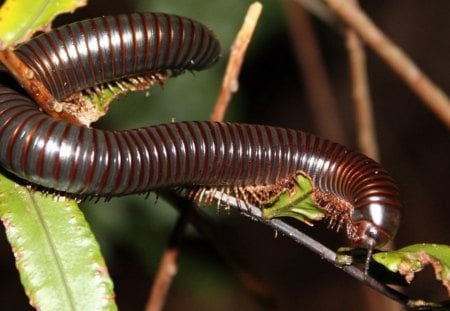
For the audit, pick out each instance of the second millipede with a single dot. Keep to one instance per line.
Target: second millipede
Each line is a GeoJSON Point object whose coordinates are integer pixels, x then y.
{"type": "Point", "coordinates": [91, 162]}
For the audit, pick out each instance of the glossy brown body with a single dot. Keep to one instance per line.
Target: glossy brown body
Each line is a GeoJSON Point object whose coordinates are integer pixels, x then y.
{"type": "Point", "coordinates": [90, 162]}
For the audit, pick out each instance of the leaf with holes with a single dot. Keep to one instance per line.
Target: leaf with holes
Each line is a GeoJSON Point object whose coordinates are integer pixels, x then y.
{"type": "Point", "coordinates": [411, 259]}
{"type": "Point", "coordinates": [95, 104]}
{"type": "Point", "coordinates": [297, 203]}
{"type": "Point", "coordinates": [20, 19]}
{"type": "Point", "coordinates": [58, 258]}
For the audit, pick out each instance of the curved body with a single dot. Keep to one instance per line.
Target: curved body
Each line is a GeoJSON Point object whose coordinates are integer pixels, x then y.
{"type": "Point", "coordinates": [95, 51]}
{"type": "Point", "coordinates": [90, 162]}
{"type": "Point", "coordinates": [85, 161]}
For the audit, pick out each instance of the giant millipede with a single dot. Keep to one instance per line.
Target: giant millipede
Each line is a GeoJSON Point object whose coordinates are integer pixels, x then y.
{"type": "Point", "coordinates": [92, 52]}
{"type": "Point", "coordinates": [91, 162]}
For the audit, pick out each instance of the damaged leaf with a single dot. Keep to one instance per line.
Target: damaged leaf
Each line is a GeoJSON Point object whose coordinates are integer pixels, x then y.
{"type": "Point", "coordinates": [411, 259]}
{"type": "Point", "coordinates": [296, 202]}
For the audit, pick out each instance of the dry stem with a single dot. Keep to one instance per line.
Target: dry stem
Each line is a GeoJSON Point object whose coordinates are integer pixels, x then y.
{"type": "Point", "coordinates": [366, 133]}
{"type": "Point", "coordinates": [34, 87]}
{"type": "Point", "coordinates": [318, 87]}
{"type": "Point", "coordinates": [166, 272]}
{"type": "Point", "coordinates": [230, 83]}
{"type": "Point", "coordinates": [431, 94]}
{"type": "Point", "coordinates": [167, 267]}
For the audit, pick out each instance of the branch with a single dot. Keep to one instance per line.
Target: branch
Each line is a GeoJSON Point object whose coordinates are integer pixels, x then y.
{"type": "Point", "coordinates": [319, 91]}
{"type": "Point", "coordinates": [34, 87]}
{"type": "Point", "coordinates": [419, 83]}
{"type": "Point", "coordinates": [167, 266]}
{"type": "Point", "coordinates": [313, 245]}
{"type": "Point", "coordinates": [362, 103]}
{"type": "Point", "coordinates": [365, 125]}
{"type": "Point", "coordinates": [230, 83]}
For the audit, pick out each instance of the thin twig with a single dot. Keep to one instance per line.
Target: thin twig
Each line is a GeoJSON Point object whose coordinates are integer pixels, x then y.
{"type": "Point", "coordinates": [167, 266]}
{"type": "Point", "coordinates": [318, 86]}
{"type": "Point", "coordinates": [230, 83]}
{"type": "Point", "coordinates": [365, 127]}
{"type": "Point", "coordinates": [419, 83]}
{"type": "Point", "coordinates": [362, 103]}
{"type": "Point", "coordinates": [34, 87]}
{"type": "Point", "coordinates": [313, 245]}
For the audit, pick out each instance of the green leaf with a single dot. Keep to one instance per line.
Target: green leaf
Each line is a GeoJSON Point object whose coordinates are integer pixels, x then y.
{"type": "Point", "coordinates": [96, 101]}
{"type": "Point", "coordinates": [20, 19]}
{"type": "Point", "coordinates": [411, 259]}
{"type": "Point", "coordinates": [346, 256]}
{"type": "Point", "coordinates": [297, 203]}
{"type": "Point", "coordinates": [59, 260]}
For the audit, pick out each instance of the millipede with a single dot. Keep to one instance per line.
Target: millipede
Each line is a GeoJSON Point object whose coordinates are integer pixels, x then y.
{"type": "Point", "coordinates": [85, 54]}
{"type": "Point", "coordinates": [85, 161]}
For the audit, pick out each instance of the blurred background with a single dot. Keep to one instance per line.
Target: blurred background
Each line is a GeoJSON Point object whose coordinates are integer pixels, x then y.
{"type": "Point", "coordinates": [414, 148]}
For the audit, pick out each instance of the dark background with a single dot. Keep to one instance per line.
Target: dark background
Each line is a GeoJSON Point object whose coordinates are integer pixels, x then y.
{"type": "Point", "coordinates": [414, 147]}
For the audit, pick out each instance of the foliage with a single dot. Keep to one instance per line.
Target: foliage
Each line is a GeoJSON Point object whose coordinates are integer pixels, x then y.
{"type": "Point", "coordinates": [413, 258]}
{"type": "Point", "coordinates": [58, 258]}
{"type": "Point", "coordinates": [19, 20]}
{"type": "Point", "coordinates": [57, 255]}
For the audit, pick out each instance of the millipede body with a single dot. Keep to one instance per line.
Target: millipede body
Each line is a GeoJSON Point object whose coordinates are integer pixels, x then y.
{"type": "Point", "coordinates": [72, 58]}
{"type": "Point", "coordinates": [91, 162]}
{"type": "Point", "coordinates": [86, 161]}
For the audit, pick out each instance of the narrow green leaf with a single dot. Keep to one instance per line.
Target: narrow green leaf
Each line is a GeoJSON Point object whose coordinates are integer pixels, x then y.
{"type": "Point", "coordinates": [59, 260]}
{"type": "Point", "coordinates": [411, 259]}
{"type": "Point", "coordinates": [297, 203]}
{"type": "Point", "coordinates": [20, 19]}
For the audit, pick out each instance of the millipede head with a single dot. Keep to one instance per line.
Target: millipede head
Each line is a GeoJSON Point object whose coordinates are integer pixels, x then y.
{"type": "Point", "coordinates": [376, 224]}
{"type": "Point", "coordinates": [369, 236]}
